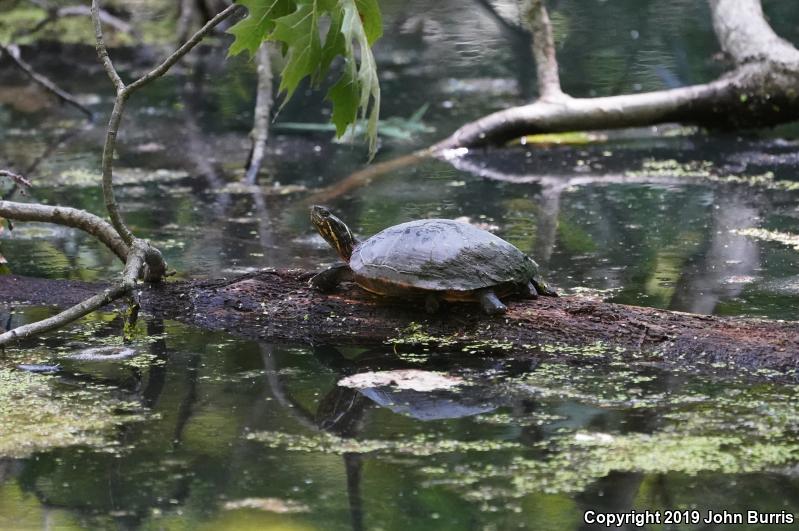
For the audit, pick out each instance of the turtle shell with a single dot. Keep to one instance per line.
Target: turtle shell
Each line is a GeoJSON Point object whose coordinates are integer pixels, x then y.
{"type": "Point", "coordinates": [439, 255]}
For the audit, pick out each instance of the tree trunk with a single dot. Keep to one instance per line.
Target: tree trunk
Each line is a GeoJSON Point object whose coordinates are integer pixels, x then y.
{"type": "Point", "coordinates": [279, 307]}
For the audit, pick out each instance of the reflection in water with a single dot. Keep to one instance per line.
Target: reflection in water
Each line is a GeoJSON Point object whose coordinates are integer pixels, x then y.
{"type": "Point", "coordinates": [480, 451]}
{"type": "Point", "coordinates": [527, 442]}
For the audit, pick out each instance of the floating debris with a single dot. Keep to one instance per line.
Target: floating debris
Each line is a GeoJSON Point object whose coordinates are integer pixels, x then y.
{"type": "Point", "coordinates": [785, 238]}
{"type": "Point", "coordinates": [412, 379]}
{"type": "Point", "coordinates": [272, 505]}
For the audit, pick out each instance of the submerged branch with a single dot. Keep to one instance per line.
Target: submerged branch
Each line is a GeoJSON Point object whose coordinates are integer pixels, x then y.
{"type": "Point", "coordinates": [12, 51]}
{"type": "Point", "coordinates": [133, 268]}
{"type": "Point", "coordinates": [280, 307]}
{"type": "Point", "coordinates": [67, 316]}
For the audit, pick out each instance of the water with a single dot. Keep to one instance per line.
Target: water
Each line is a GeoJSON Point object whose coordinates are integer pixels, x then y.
{"type": "Point", "coordinates": [205, 430]}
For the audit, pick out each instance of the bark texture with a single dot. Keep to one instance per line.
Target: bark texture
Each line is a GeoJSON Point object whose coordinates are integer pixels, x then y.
{"type": "Point", "coordinates": [278, 306]}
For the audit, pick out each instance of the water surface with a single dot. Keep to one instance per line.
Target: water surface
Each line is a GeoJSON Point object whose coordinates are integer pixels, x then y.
{"type": "Point", "coordinates": [215, 432]}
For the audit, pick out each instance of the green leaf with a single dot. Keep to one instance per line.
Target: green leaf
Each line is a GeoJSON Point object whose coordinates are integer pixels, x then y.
{"type": "Point", "coordinates": [252, 30]}
{"type": "Point", "coordinates": [366, 74]}
{"type": "Point", "coordinates": [371, 19]}
{"type": "Point", "coordinates": [345, 97]}
{"type": "Point", "coordinates": [333, 46]}
{"type": "Point", "coordinates": [353, 26]}
{"type": "Point", "coordinates": [299, 31]}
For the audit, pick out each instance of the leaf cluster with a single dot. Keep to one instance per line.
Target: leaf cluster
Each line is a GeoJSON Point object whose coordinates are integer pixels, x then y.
{"type": "Point", "coordinates": [312, 34]}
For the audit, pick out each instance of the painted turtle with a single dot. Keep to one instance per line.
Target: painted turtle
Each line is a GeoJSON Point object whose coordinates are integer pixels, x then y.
{"type": "Point", "coordinates": [431, 260]}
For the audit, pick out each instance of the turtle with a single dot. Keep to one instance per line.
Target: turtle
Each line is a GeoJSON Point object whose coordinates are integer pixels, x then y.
{"type": "Point", "coordinates": [430, 260]}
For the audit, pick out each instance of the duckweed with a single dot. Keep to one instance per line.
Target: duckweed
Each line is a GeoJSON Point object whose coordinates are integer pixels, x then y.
{"type": "Point", "coordinates": [419, 445]}
{"type": "Point", "coordinates": [38, 415]}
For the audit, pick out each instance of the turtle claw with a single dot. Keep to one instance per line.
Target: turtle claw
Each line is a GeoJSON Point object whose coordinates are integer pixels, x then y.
{"type": "Point", "coordinates": [491, 303]}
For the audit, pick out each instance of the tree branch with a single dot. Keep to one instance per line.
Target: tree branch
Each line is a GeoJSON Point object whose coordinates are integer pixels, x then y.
{"type": "Point", "coordinates": [122, 94]}
{"type": "Point", "coordinates": [67, 316]}
{"type": "Point", "coordinates": [195, 39]}
{"type": "Point", "coordinates": [759, 92]}
{"type": "Point", "coordinates": [69, 217]}
{"type": "Point", "coordinates": [56, 13]}
{"type": "Point", "coordinates": [141, 258]}
{"type": "Point", "coordinates": [546, 63]}
{"type": "Point", "coordinates": [12, 50]}
{"type": "Point", "coordinates": [263, 106]}
{"type": "Point", "coordinates": [744, 34]}
{"type": "Point", "coordinates": [18, 179]}
{"type": "Point", "coordinates": [133, 267]}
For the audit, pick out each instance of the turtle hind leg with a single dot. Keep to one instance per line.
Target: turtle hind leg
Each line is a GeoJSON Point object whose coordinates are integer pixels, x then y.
{"type": "Point", "coordinates": [491, 303]}
{"type": "Point", "coordinates": [432, 304]}
{"type": "Point", "coordinates": [331, 277]}
{"type": "Point", "coordinates": [530, 291]}
{"type": "Point", "coordinates": [541, 287]}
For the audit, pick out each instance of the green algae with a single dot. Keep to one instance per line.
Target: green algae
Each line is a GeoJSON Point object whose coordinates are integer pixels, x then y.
{"type": "Point", "coordinates": [487, 345]}
{"type": "Point", "coordinates": [739, 428]}
{"type": "Point", "coordinates": [703, 170]}
{"type": "Point", "coordinates": [538, 418]}
{"type": "Point", "coordinates": [576, 460]}
{"type": "Point", "coordinates": [419, 445]}
{"type": "Point", "coordinates": [414, 335]}
{"type": "Point", "coordinates": [82, 177]}
{"type": "Point", "coordinates": [37, 414]}
{"type": "Point", "coordinates": [598, 349]}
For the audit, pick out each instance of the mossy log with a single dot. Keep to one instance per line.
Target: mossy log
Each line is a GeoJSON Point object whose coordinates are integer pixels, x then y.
{"type": "Point", "coordinates": [278, 306]}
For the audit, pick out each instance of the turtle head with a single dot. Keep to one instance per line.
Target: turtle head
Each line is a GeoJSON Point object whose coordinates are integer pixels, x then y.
{"type": "Point", "coordinates": [334, 231]}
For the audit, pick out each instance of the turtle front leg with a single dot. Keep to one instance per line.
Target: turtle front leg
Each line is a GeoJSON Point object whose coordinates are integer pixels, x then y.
{"type": "Point", "coordinates": [491, 303]}
{"type": "Point", "coordinates": [331, 277]}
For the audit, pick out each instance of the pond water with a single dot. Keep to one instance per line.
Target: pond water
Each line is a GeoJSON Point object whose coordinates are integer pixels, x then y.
{"type": "Point", "coordinates": [191, 429]}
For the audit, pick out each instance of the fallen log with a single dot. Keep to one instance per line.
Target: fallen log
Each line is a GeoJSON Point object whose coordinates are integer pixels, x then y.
{"type": "Point", "coordinates": [278, 306]}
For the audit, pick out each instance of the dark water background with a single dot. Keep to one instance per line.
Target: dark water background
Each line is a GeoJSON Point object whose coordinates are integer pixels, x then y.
{"type": "Point", "coordinates": [599, 215]}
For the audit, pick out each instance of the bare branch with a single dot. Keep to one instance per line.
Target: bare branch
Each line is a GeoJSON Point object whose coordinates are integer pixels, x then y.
{"type": "Point", "coordinates": [546, 63]}
{"type": "Point", "coordinates": [185, 13]}
{"type": "Point", "coordinates": [195, 39]}
{"type": "Point", "coordinates": [56, 13]}
{"type": "Point", "coordinates": [123, 93]}
{"type": "Point", "coordinates": [263, 106]}
{"type": "Point", "coordinates": [69, 217]}
{"type": "Point", "coordinates": [67, 316]}
{"type": "Point", "coordinates": [106, 17]}
{"type": "Point", "coordinates": [12, 51]}
{"type": "Point", "coordinates": [18, 179]}
{"type": "Point", "coordinates": [365, 176]}
{"type": "Point", "coordinates": [133, 268]}
{"type": "Point", "coordinates": [102, 52]}
{"type": "Point", "coordinates": [759, 92]}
